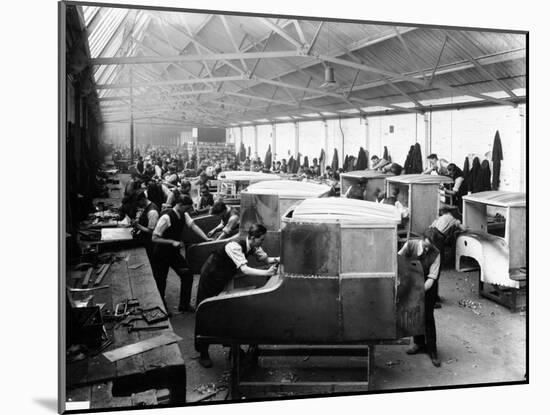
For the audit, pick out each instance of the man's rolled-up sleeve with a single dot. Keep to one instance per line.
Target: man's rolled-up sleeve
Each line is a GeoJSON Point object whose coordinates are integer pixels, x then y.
{"type": "Point", "coordinates": [235, 252]}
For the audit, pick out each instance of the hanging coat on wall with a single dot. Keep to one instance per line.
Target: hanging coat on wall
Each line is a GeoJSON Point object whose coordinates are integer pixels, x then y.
{"type": "Point", "coordinates": [497, 157]}
{"type": "Point", "coordinates": [267, 160]}
{"type": "Point", "coordinates": [322, 161]}
{"type": "Point", "coordinates": [291, 163]}
{"type": "Point", "coordinates": [298, 164]}
{"type": "Point", "coordinates": [361, 160]}
{"type": "Point", "coordinates": [306, 162]}
{"type": "Point", "coordinates": [242, 153]}
{"type": "Point", "coordinates": [416, 162]}
{"type": "Point", "coordinates": [485, 176]}
{"type": "Point", "coordinates": [474, 178]}
{"type": "Point", "coordinates": [334, 163]}
{"type": "Point", "coordinates": [346, 162]}
{"type": "Point", "coordinates": [466, 173]}
{"type": "Point", "coordinates": [386, 155]}
{"type": "Point", "coordinates": [407, 166]}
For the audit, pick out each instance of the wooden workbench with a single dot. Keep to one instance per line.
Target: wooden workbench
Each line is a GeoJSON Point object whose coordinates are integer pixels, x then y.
{"type": "Point", "coordinates": [136, 380]}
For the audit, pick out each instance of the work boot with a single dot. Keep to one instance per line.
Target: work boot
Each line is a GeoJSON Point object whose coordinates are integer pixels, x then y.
{"type": "Point", "coordinates": [435, 360]}
{"type": "Point", "coordinates": [415, 349]}
{"type": "Point", "coordinates": [204, 360]}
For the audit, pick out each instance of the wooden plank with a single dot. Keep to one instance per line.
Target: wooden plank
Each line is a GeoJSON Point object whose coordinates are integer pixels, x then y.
{"type": "Point", "coordinates": [144, 288]}
{"type": "Point", "coordinates": [142, 346]}
{"type": "Point", "coordinates": [102, 274]}
{"type": "Point", "coordinates": [121, 290]}
{"type": "Point", "coordinates": [86, 280]}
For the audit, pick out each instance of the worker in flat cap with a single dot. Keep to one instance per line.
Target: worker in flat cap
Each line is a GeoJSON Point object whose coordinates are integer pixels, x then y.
{"type": "Point", "coordinates": [425, 251]}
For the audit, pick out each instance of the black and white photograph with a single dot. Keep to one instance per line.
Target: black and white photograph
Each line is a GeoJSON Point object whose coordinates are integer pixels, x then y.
{"type": "Point", "coordinates": [298, 207]}
{"type": "Point", "coordinates": [264, 206]}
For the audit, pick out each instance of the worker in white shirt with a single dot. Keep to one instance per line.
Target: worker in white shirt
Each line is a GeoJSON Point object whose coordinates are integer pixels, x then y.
{"type": "Point", "coordinates": [436, 165]}
{"type": "Point", "coordinates": [443, 228]}
{"type": "Point", "coordinates": [223, 264]}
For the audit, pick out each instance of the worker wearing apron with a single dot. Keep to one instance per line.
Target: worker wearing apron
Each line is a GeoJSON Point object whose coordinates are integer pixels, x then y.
{"type": "Point", "coordinates": [222, 265]}
{"type": "Point", "coordinates": [424, 250]}
{"type": "Point", "coordinates": [147, 222]}
{"type": "Point", "coordinates": [167, 245]}
{"type": "Point", "coordinates": [441, 230]}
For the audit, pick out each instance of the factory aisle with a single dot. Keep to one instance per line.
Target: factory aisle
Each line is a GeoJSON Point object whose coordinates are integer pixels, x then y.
{"type": "Point", "coordinates": [479, 341]}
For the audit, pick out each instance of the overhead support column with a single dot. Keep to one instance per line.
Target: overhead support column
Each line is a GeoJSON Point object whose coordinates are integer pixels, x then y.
{"type": "Point", "coordinates": [256, 141]}
{"type": "Point", "coordinates": [131, 119]}
{"type": "Point", "coordinates": [325, 125]}
{"type": "Point", "coordinates": [241, 133]}
{"type": "Point", "coordinates": [274, 142]}
{"type": "Point", "coordinates": [428, 135]}
{"type": "Point", "coordinates": [296, 140]}
{"type": "Point", "coordinates": [523, 144]}
{"type": "Point", "coordinates": [367, 134]}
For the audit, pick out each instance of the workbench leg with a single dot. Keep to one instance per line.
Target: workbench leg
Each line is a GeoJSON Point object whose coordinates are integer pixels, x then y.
{"type": "Point", "coordinates": [370, 379]}
{"type": "Point", "coordinates": [235, 371]}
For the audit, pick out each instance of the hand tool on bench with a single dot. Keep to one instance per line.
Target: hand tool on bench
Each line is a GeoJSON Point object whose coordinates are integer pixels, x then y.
{"type": "Point", "coordinates": [131, 328]}
{"type": "Point", "coordinates": [102, 273]}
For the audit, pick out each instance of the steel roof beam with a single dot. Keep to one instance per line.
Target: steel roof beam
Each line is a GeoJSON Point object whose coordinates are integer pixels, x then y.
{"type": "Point", "coordinates": [438, 85]}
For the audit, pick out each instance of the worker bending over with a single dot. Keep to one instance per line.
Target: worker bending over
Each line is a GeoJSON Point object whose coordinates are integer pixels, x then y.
{"type": "Point", "coordinates": [424, 251]}
{"type": "Point", "coordinates": [436, 165]}
{"type": "Point", "coordinates": [229, 224]}
{"type": "Point", "coordinates": [442, 230]}
{"type": "Point", "coordinates": [222, 265]}
{"type": "Point", "coordinates": [167, 245]}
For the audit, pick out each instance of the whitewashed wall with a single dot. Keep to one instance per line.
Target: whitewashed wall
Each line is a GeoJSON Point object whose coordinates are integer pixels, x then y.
{"type": "Point", "coordinates": [455, 135]}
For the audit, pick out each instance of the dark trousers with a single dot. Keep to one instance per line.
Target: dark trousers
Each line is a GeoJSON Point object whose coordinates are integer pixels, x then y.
{"type": "Point", "coordinates": [162, 259]}
{"type": "Point", "coordinates": [211, 283]}
{"type": "Point", "coordinates": [439, 242]}
{"type": "Point", "coordinates": [428, 339]}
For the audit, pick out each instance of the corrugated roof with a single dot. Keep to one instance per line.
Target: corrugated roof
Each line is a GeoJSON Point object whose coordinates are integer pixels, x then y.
{"type": "Point", "coordinates": [211, 69]}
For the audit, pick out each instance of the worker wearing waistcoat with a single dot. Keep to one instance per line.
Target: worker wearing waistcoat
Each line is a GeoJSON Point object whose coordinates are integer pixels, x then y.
{"type": "Point", "coordinates": [222, 265]}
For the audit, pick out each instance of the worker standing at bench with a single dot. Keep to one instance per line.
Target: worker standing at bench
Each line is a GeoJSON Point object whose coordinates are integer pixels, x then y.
{"type": "Point", "coordinates": [424, 250]}
{"type": "Point", "coordinates": [222, 265]}
{"type": "Point", "coordinates": [167, 244]}
{"type": "Point", "coordinates": [147, 222]}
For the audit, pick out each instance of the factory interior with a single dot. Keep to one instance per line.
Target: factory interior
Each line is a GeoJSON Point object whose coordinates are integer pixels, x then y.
{"type": "Point", "coordinates": [259, 207]}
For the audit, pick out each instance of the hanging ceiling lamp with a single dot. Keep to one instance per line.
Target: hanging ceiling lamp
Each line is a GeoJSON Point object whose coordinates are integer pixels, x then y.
{"type": "Point", "coordinates": [329, 77]}
{"type": "Point", "coordinates": [330, 82]}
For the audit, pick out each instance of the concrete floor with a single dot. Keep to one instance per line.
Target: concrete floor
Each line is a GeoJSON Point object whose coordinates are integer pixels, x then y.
{"type": "Point", "coordinates": [483, 344]}
{"type": "Point", "coordinates": [479, 343]}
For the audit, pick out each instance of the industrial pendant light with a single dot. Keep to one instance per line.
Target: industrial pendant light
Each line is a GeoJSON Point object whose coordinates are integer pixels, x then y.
{"type": "Point", "coordinates": [329, 77]}
{"type": "Point", "coordinates": [329, 70]}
